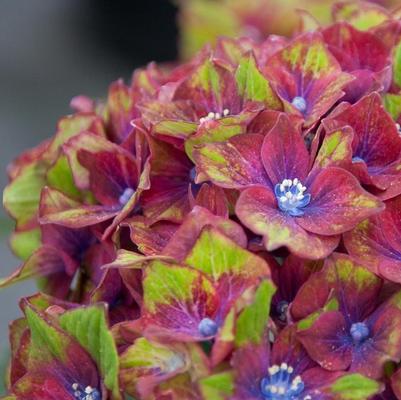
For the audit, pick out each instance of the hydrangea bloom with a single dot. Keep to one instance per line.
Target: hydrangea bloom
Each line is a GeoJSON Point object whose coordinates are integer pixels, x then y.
{"type": "Point", "coordinates": [228, 228]}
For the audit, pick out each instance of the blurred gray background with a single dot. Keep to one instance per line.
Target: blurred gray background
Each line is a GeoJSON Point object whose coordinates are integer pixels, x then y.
{"type": "Point", "coordinates": [50, 51]}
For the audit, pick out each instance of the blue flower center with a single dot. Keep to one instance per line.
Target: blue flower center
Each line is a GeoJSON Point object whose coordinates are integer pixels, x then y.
{"type": "Point", "coordinates": [359, 332]}
{"type": "Point", "coordinates": [89, 393]}
{"type": "Point", "coordinates": [291, 196]}
{"type": "Point", "coordinates": [357, 159]}
{"type": "Point", "coordinates": [126, 196]}
{"type": "Point", "coordinates": [299, 103]}
{"type": "Point", "coordinates": [281, 309]}
{"type": "Point", "coordinates": [281, 384]}
{"type": "Point", "coordinates": [192, 174]}
{"type": "Point", "coordinates": [207, 327]}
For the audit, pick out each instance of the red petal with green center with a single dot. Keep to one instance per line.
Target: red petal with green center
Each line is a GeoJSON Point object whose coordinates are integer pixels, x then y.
{"type": "Point", "coordinates": [222, 129]}
{"type": "Point", "coordinates": [56, 355]}
{"type": "Point", "coordinates": [361, 16]}
{"type": "Point", "coordinates": [306, 69]}
{"type": "Point", "coordinates": [211, 88]}
{"type": "Point", "coordinates": [231, 268]}
{"type": "Point", "coordinates": [338, 203]}
{"type": "Point", "coordinates": [253, 86]}
{"type": "Point", "coordinates": [73, 125]}
{"type": "Point", "coordinates": [121, 110]}
{"type": "Point", "coordinates": [284, 153]}
{"type": "Point", "coordinates": [335, 149]}
{"type": "Point", "coordinates": [355, 288]}
{"type": "Point", "coordinates": [375, 242]}
{"type": "Point", "coordinates": [146, 364]}
{"type": "Point", "coordinates": [233, 164]}
{"type": "Point", "coordinates": [177, 119]}
{"type": "Point", "coordinates": [257, 209]}
{"type": "Point", "coordinates": [187, 234]}
{"type": "Point", "coordinates": [176, 299]}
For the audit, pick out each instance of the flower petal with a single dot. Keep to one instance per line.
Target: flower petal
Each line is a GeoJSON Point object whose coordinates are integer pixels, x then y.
{"type": "Point", "coordinates": [284, 153]}
{"type": "Point", "coordinates": [233, 164]}
{"type": "Point", "coordinates": [338, 203]}
{"type": "Point", "coordinates": [326, 341]}
{"type": "Point", "coordinates": [257, 209]}
{"type": "Point", "coordinates": [176, 299]}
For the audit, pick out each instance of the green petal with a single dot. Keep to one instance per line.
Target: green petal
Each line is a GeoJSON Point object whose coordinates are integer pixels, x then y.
{"type": "Point", "coordinates": [90, 327]}
{"type": "Point", "coordinates": [21, 197]}
{"type": "Point", "coordinates": [216, 255]}
{"type": "Point", "coordinates": [59, 177]}
{"type": "Point", "coordinates": [253, 86]}
{"type": "Point", "coordinates": [252, 322]}
{"type": "Point", "coordinates": [24, 243]}
{"type": "Point", "coordinates": [217, 387]}
{"type": "Point", "coordinates": [354, 387]}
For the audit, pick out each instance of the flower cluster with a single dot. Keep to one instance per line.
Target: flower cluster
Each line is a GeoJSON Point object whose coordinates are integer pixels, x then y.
{"type": "Point", "coordinates": [229, 228]}
{"type": "Point", "coordinates": [203, 21]}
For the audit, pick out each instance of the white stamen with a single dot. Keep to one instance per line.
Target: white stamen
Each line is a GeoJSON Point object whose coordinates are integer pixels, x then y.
{"type": "Point", "coordinates": [273, 370]}
{"type": "Point", "coordinates": [214, 116]}
{"type": "Point", "coordinates": [88, 390]}
{"type": "Point", "coordinates": [281, 390]}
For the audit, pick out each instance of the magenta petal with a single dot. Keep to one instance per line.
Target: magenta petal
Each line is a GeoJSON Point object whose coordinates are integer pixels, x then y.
{"type": "Point", "coordinates": [375, 242]}
{"type": "Point", "coordinates": [326, 341]}
{"type": "Point", "coordinates": [110, 173]}
{"type": "Point", "coordinates": [338, 203]}
{"type": "Point", "coordinates": [250, 367]}
{"type": "Point", "coordinates": [385, 345]}
{"type": "Point", "coordinates": [284, 153]}
{"type": "Point", "coordinates": [257, 210]}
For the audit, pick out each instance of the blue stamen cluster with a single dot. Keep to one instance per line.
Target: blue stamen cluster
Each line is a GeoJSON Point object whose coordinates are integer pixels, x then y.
{"type": "Point", "coordinates": [280, 384]}
{"type": "Point", "coordinates": [89, 393]}
{"type": "Point", "coordinates": [291, 197]}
